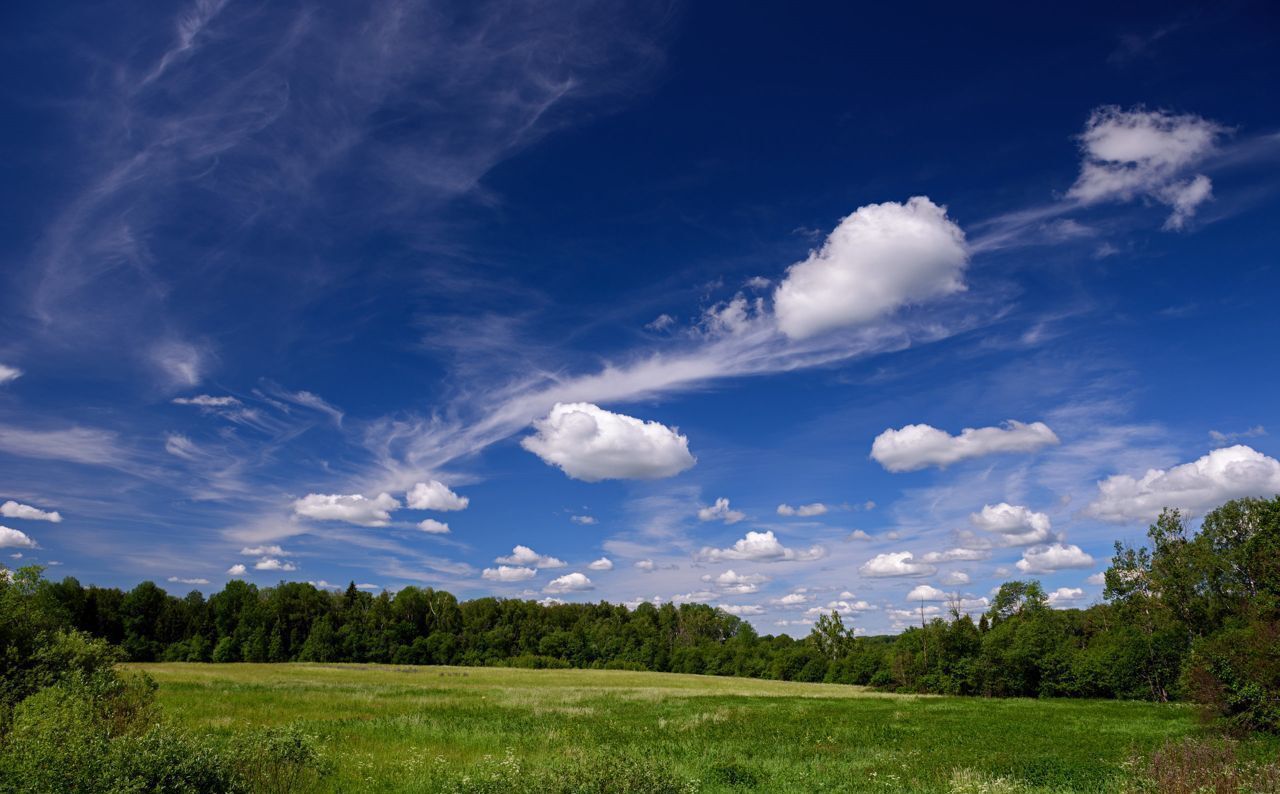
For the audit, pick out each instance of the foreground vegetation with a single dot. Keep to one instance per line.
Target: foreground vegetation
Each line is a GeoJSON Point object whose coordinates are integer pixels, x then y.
{"type": "Point", "coordinates": [435, 729]}
{"type": "Point", "coordinates": [1196, 616]}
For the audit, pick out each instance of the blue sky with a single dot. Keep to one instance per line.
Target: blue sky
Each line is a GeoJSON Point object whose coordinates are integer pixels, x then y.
{"type": "Point", "coordinates": [780, 310]}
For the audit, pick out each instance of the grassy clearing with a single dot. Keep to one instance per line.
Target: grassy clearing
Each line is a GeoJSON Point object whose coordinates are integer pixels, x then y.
{"type": "Point", "coordinates": [493, 729]}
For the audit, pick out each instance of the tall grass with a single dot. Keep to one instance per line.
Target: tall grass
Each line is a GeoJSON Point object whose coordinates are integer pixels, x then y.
{"type": "Point", "coordinates": [440, 729]}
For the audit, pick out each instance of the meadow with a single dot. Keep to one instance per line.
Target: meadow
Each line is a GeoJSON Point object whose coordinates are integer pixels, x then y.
{"type": "Point", "coordinates": [429, 729]}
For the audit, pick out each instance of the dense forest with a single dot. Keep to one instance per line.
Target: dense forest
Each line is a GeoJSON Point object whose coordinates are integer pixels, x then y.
{"type": "Point", "coordinates": [1196, 615]}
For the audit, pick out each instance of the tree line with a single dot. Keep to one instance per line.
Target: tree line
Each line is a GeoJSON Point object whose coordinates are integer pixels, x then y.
{"type": "Point", "coordinates": [1192, 616]}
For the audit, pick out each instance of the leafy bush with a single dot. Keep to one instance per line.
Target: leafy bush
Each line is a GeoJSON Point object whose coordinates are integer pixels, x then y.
{"type": "Point", "coordinates": [278, 760]}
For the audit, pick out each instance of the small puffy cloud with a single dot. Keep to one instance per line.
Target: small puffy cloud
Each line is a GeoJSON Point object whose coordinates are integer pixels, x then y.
{"type": "Point", "coordinates": [12, 509]}
{"type": "Point", "coordinates": [1099, 578]}
{"type": "Point", "coordinates": [1053, 557]}
{"type": "Point", "coordinates": [180, 580]}
{"type": "Point", "coordinates": [734, 316]}
{"type": "Point", "coordinates": [733, 582]}
{"type": "Point", "coordinates": [741, 610]}
{"type": "Point", "coordinates": [1065, 596]}
{"type": "Point", "coordinates": [207, 401]}
{"type": "Point", "coordinates": [430, 525]}
{"type": "Point", "coordinates": [956, 578]}
{"type": "Point", "coordinates": [351, 508]}
{"type": "Point", "coordinates": [918, 446]}
{"type": "Point", "coordinates": [858, 534]}
{"type": "Point", "coordinates": [760, 547]}
{"type": "Point", "coordinates": [435, 495]}
{"type": "Point", "coordinates": [926, 592]}
{"type": "Point", "coordinates": [1014, 525]}
{"type": "Point", "coordinates": [569, 583]}
{"type": "Point", "coordinates": [321, 584]}
{"type": "Point", "coordinates": [794, 600]}
{"type": "Point", "coordinates": [586, 521]}
{"type": "Point", "coordinates": [264, 551]}
{"type": "Point", "coordinates": [1130, 153]}
{"type": "Point", "coordinates": [877, 260]}
{"type": "Point", "coordinates": [15, 539]}
{"type": "Point", "coordinates": [591, 444]}
{"type": "Point", "coordinates": [9, 374]}
{"type": "Point", "coordinates": [648, 566]}
{"type": "Point", "coordinates": [815, 509]}
{"type": "Point", "coordinates": [523, 555]}
{"type": "Point", "coordinates": [896, 563]}
{"type": "Point", "coordinates": [508, 573]}
{"type": "Point", "coordinates": [602, 564]}
{"type": "Point", "coordinates": [1223, 474]}
{"type": "Point", "coordinates": [958, 554]}
{"type": "Point", "coordinates": [842, 607]}
{"type": "Point", "coordinates": [274, 564]}
{"type": "Point", "coordinates": [720, 512]}
{"type": "Point", "coordinates": [236, 570]}
{"type": "Point", "coordinates": [367, 586]}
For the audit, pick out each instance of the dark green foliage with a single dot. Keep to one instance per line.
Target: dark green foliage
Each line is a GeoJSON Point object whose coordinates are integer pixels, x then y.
{"type": "Point", "coordinates": [1197, 615]}
{"type": "Point", "coordinates": [71, 720]}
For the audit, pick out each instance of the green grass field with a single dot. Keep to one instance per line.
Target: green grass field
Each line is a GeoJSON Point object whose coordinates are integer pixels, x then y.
{"type": "Point", "coordinates": [494, 729]}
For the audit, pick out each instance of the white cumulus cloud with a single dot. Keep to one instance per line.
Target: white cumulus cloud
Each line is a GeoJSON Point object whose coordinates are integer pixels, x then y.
{"type": "Point", "coordinates": [720, 511]}
{"type": "Point", "coordinates": [12, 509]}
{"type": "Point", "coordinates": [433, 527]}
{"type": "Point", "coordinates": [351, 508]}
{"type": "Point", "coordinates": [181, 580]}
{"type": "Point", "coordinates": [264, 551]}
{"type": "Point", "coordinates": [273, 564]}
{"type": "Point", "coordinates": [958, 554]}
{"type": "Point", "coordinates": [523, 555]}
{"type": "Point", "coordinates": [591, 444]}
{"type": "Point", "coordinates": [1065, 596]}
{"type": "Point", "coordinates": [1053, 557]}
{"type": "Point", "coordinates": [741, 610]}
{"type": "Point", "coordinates": [877, 260]}
{"type": "Point", "coordinates": [1130, 153]}
{"type": "Point", "coordinates": [1014, 525]}
{"type": "Point", "coordinates": [917, 446]}
{"type": "Point", "coordinates": [896, 563]}
{"type": "Point", "coordinates": [435, 495]}
{"type": "Point", "coordinates": [1223, 474]}
{"type": "Point", "coordinates": [569, 583]}
{"type": "Point", "coordinates": [760, 547]}
{"type": "Point", "coordinates": [602, 564]}
{"type": "Point", "coordinates": [508, 573]}
{"type": "Point", "coordinates": [15, 539]}
{"type": "Point", "coordinates": [738, 583]}
{"type": "Point", "coordinates": [926, 592]}
{"type": "Point", "coordinates": [237, 570]}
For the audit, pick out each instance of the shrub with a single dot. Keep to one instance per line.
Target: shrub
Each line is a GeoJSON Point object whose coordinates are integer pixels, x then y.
{"type": "Point", "coordinates": [278, 760]}
{"type": "Point", "coordinates": [54, 744]}
{"type": "Point", "coordinates": [166, 760]}
{"type": "Point", "coordinates": [1201, 766]}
